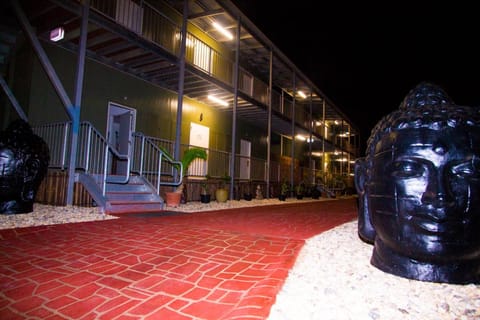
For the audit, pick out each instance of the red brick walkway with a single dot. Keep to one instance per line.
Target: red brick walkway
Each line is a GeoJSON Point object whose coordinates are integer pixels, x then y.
{"type": "Point", "coordinates": [227, 264]}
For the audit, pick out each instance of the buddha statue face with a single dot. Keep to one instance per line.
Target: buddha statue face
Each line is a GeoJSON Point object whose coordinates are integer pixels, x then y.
{"type": "Point", "coordinates": [420, 190]}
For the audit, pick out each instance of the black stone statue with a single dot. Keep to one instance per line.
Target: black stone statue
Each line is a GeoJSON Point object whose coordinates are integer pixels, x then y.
{"type": "Point", "coordinates": [419, 189]}
{"type": "Point", "coordinates": [24, 159]}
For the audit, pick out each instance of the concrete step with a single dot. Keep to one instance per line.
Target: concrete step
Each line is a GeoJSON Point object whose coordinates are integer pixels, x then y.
{"type": "Point", "coordinates": [113, 207]}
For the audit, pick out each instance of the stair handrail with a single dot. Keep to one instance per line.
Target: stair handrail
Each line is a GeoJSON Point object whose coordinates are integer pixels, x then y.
{"type": "Point", "coordinates": [111, 149]}
{"type": "Point", "coordinates": [91, 142]}
{"type": "Point", "coordinates": [154, 152]}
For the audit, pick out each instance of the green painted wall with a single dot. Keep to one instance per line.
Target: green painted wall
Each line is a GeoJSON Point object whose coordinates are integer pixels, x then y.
{"type": "Point", "coordinates": [155, 106]}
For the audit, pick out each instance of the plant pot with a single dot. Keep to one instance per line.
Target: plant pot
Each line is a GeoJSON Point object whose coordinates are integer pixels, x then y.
{"type": "Point", "coordinates": [204, 198]}
{"type": "Point", "coordinates": [299, 196]}
{"type": "Point", "coordinates": [221, 195]}
{"type": "Point", "coordinates": [247, 196]}
{"type": "Point", "coordinates": [282, 197]}
{"type": "Point", "coordinates": [173, 199]}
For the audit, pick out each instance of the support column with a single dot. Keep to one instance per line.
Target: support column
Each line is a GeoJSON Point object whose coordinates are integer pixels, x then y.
{"type": "Point", "coordinates": [234, 111]}
{"type": "Point", "coordinates": [292, 152]}
{"type": "Point", "coordinates": [269, 125]}
{"type": "Point", "coordinates": [323, 142]}
{"type": "Point", "coordinates": [78, 101]}
{"type": "Point", "coordinates": [310, 128]}
{"type": "Point", "coordinates": [181, 81]}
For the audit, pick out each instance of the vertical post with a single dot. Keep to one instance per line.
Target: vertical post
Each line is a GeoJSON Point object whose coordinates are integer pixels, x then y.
{"type": "Point", "coordinates": [234, 112]}
{"type": "Point", "coordinates": [78, 101]}
{"type": "Point", "coordinates": [292, 153]}
{"type": "Point", "coordinates": [181, 80]}
{"type": "Point", "coordinates": [269, 126]}
{"type": "Point", "coordinates": [310, 128]}
{"type": "Point", "coordinates": [324, 126]}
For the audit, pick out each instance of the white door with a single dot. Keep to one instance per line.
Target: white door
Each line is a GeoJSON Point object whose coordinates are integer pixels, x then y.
{"type": "Point", "coordinates": [120, 126]}
{"type": "Point", "coordinates": [245, 152]}
{"type": "Point", "coordinates": [199, 137]}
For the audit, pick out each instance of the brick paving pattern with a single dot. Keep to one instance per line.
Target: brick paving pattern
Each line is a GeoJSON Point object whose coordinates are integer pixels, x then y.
{"type": "Point", "coordinates": [227, 264]}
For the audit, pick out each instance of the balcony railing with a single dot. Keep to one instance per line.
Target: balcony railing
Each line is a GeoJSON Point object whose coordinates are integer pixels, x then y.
{"type": "Point", "coordinates": [145, 19]}
{"type": "Point", "coordinates": [145, 157]}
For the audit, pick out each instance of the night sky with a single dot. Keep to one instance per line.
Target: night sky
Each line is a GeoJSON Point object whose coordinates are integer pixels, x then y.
{"type": "Point", "coordinates": [366, 57]}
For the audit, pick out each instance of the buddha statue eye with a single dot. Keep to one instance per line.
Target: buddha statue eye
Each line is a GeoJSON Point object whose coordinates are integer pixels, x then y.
{"type": "Point", "coordinates": [470, 169]}
{"type": "Point", "coordinates": [406, 169]}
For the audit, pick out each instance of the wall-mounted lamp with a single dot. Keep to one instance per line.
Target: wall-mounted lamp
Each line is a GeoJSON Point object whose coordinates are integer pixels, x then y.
{"type": "Point", "coordinates": [57, 34]}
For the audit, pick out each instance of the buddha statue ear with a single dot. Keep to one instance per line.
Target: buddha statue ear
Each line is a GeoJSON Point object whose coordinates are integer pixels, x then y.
{"type": "Point", "coordinates": [366, 232]}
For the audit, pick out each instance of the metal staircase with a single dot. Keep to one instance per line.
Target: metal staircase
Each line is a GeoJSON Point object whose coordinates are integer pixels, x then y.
{"type": "Point", "coordinates": [138, 190]}
{"type": "Point", "coordinates": [134, 196]}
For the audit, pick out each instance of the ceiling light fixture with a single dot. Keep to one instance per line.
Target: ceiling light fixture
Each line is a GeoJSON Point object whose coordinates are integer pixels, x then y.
{"type": "Point", "coordinates": [218, 100]}
{"type": "Point", "coordinates": [222, 30]}
{"type": "Point", "coordinates": [300, 137]}
{"type": "Point", "coordinates": [301, 94]}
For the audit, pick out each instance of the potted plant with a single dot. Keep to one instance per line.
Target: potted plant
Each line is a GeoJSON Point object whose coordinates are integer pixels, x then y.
{"type": "Point", "coordinates": [205, 190]}
{"type": "Point", "coordinates": [173, 198]}
{"type": "Point", "coordinates": [315, 192]}
{"type": "Point", "coordinates": [247, 195]}
{"type": "Point", "coordinates": [284, 188]}
{"type": "Point", "coordinates": [300, 190]}
{"type": "Point", "coordinates": [221, 194]}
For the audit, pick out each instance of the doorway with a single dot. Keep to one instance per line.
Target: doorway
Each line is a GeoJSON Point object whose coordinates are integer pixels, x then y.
{"type": "Point", "coordinates": [120, 126]}
{"type": "Point", "coordinates": [245, 153]}
{"type": "Point", "coordinates": [199, 137]}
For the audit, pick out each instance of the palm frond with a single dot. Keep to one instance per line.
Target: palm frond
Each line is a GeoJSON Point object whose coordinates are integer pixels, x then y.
{"type": "Point", "coordinates": [191, 154]}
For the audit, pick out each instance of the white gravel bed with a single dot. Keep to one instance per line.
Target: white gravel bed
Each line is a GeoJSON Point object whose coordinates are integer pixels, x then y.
{"type": "Point", "coordinates": [195, 206]}
{"type": "Point", "coordinates": [332, 279]}
{"type": "Point", "coordinates": [48, 215]}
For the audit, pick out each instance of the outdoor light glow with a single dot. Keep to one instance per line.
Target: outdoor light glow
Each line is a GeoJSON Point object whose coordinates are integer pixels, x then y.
{"type": "Point", "coordinates": [303, 138]}
{"type": "Point", "coordinates": [300, 137]}
{"type": "Point", "coordinates": [301, 94]}
{"type": "Point", "coordinates": [218, 100]}
{"type": "Point", "coordinates": [222, 30]}
{"type": "Point", "coordinates": [57, 34]}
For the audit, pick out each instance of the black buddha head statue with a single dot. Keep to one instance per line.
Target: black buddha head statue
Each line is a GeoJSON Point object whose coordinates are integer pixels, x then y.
{"type": "Point", "coordinates": [24, 159]}
{"type": "Point", "coordinates": [419, 189]}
